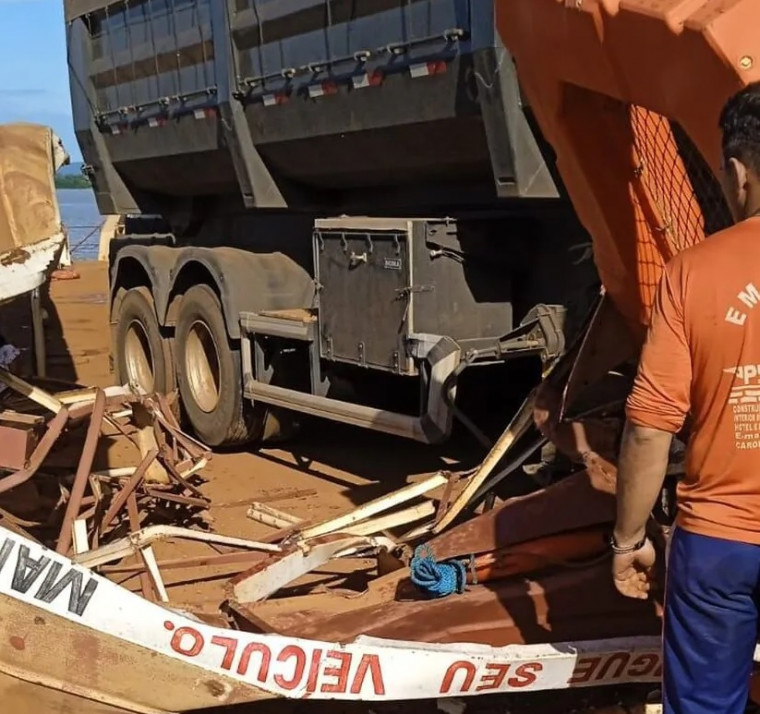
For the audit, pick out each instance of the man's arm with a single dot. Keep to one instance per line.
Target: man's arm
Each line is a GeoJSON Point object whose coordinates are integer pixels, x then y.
{"type": "Point", "coordinates": [641, 472]}
{"type": "Point", "coordinates": [656, 409]}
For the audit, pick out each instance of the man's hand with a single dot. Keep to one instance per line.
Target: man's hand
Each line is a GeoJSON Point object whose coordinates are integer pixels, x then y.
{"type": "Point", "coordinates": [632, 571]}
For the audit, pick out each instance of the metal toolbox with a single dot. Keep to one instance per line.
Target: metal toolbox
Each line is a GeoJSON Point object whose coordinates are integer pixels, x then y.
{"type": "Point", "coordinates": [382, 281]}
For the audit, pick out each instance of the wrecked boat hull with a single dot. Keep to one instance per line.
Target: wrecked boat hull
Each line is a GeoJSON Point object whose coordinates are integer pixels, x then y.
{"type": "Point", "coordinates": [70, 634]}
{"type": "Point", "coordinates": [32, 270]}
{"type": "Point", "coordinates": [31, 234]}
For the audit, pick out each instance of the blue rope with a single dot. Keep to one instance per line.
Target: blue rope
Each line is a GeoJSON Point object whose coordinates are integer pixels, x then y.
{"type": "Point", "coordinates": [437, 579]}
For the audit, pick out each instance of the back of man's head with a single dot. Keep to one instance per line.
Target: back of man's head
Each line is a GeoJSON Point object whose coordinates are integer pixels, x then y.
{"type": "Point", "coordinates": [740, 125]}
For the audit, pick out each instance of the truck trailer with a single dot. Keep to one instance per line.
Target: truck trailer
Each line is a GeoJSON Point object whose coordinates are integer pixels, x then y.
{"type": "Point", "coordinates": [333, 209]}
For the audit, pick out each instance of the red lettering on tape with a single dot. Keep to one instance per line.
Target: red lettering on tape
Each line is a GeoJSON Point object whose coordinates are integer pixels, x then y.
{"type": "Point", "coordinates": [316, 660]}
{"type": "Point", "coordinates": [584, 669]}
{"type": "Point", "coordinates": [230, 647]}
{"type": "Point", "coordinates": [180, 641]}
{"type": "Point", "coordinates": [245, 660]}
{"type": "Point", "coordinates": [620, 659]}
{"type": "Point", "coordinates": [369, 664]}
{"type": "Point", "coordinates": [494, 679]}
{"type": "Point", "coordinates": [644, 664]}
{"type": "Point", "coordinates": [340, 673]}
{"type": "Point", "coordinates": [469, 676]}
{"type": "Point", "coordinates": [525, 675]}
{"type": "Point", "coordinates": [616, 666]}
{"type": "Point", "coordinates": [291, 652]}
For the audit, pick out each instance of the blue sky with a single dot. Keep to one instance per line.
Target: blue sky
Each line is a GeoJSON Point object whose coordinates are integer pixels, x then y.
{"type": "Point", "coordinates": [34, 82]}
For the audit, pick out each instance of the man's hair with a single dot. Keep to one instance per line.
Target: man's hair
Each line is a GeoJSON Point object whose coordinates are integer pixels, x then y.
{"type": "Point", "coordinates": [740, 124]}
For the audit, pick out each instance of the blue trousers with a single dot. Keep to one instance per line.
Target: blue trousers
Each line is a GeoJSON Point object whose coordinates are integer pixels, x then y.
{"type": "Point", "coordinates": [711, 624]}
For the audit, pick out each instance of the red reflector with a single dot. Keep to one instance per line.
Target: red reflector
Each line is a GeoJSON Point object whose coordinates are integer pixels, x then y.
{"type": "Point", "coordinates": [428, 68]}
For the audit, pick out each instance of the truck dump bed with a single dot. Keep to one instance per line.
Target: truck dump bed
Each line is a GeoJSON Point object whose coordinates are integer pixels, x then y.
{"type": "Point", "coordinates": [628, 93]}
{"type": "Point", "coordinates": [333, 106]}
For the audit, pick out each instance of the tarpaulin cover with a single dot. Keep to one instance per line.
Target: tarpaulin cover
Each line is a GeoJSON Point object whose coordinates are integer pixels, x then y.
{"type": "Point", "coordinates": [29, 214]}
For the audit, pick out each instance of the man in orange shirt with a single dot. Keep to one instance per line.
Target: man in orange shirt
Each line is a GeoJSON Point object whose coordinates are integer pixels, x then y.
{"type": "Point", "coordinates": [702, 357]}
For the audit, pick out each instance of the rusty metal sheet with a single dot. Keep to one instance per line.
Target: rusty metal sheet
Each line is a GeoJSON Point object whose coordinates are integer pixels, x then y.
{"type": "Point", "coordinates": [564, 605]}
{"type": "Point", "coordinates": [16, 446]}
{"type": "Point", "coordinates": [568, 505]}
{"type": "Point", "coordinates": [54, 430]}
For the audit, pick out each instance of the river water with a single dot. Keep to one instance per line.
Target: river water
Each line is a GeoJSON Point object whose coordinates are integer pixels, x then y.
{"type": "Point", "coordinates": [80, 215]}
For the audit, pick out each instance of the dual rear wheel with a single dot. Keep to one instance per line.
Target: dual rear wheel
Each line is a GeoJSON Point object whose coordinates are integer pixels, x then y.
{"type": "Point", "coordinates": [201, 361]}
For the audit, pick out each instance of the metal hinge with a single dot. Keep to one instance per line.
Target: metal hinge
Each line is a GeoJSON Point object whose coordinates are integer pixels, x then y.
{"type": "Point", "coordinates": [407, 291]}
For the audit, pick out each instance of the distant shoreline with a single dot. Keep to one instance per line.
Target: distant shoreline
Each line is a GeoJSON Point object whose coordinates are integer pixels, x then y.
{"type": "Point", "coordinates": [72, 182]}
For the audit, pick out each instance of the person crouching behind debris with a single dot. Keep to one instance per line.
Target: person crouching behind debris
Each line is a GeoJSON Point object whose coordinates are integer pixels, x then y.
{"type": "Point", "coordinates": [702, 355]}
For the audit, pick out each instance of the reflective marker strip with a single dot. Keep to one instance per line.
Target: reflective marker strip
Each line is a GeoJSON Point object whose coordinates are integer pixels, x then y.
{"type": "Point", "coordinates": [426, 69]}
{"type": "Point", "coordinates": [271, 100]}
{"type": "Point", "coordinates": [322, 89]}
{"type": "Point", "coordinates": [360, 81]}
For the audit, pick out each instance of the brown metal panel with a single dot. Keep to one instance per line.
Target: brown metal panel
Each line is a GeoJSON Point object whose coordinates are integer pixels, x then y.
{"type": "Point", "coordinates": [16, 446]}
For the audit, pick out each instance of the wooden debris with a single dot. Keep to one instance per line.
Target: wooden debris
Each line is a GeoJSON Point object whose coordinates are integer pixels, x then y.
{"type": "Point", "coordinates": [134, 481]}
{"type": "Point", "coordinates": [271, 516]}
{"type": "Point", "coordinates": [269, 576]}
{"type": "Point", "coordinates": [37, 395]}
{"type": "Point", "coordinates": [148, 443]}
{"type": "Point", "coordinates": [393, 520]}
{"type": "Point", "coordinates": [134, 542]}
{"type": "Point", "coordinates": [519, 425]}
{"type": "Point", "coordinates": [379, 505]}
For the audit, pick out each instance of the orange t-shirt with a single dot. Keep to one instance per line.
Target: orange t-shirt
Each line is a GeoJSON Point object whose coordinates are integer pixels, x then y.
{"type": "Point", "coordinates": [702, 356]}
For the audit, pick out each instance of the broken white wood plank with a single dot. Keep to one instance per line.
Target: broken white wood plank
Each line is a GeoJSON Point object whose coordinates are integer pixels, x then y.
{"type": "Point", "coordinates": [140, 539]}
{"type": "Point", "coordinates": [392, 520]}
{"type": "Point", "coordinates": [121, 414]}
{"type": "Point", "coordinates": [87, 394]}
{"type": "Point", "coordinates": [289, 567]}
{"type": "Point", "coordinates": [379, 505]}
{"type": "Point", "coordinates": [417, 532]}
{"type": "Point", "coordinates": [202, 463]}
{"type": "Point", "coordinates": [520, 423]}
{"type": "Point", "coordinates": [123, 472]}
{"type": "Point", "coordinates": [368, 545]}
{"type": "Point", "coordinates": [77, 396]}
{"type": "Point", "coordinates": [147, 442]}
{"type": "Point", "coordinates": [37, 395]}
{"type": "Point", "coordinates": [272, 516]}
{"type": "Point", "coordinates": [79, 533]}
{"type": "Point", "coordinates": [149, 558]}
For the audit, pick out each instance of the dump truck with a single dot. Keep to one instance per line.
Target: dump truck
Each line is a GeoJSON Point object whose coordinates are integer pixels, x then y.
{"type": "Point", "coordinates": [339, 212]}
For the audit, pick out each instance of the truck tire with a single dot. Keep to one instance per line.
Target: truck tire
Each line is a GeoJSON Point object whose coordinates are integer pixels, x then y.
{"type": "Point", "coordinates": [143, 356]}
{"type": "Point", "coordinates": [210, 375]}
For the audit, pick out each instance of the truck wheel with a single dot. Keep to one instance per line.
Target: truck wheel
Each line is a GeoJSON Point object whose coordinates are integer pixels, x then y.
{"type": "Point", "coordinates": [210, 375]}
{"type": "Point", "coordinates": [143, 356]}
